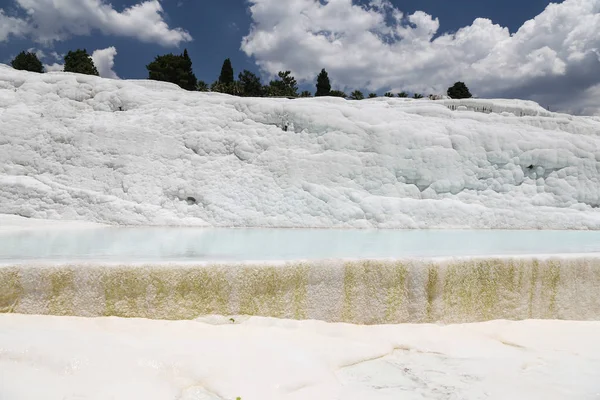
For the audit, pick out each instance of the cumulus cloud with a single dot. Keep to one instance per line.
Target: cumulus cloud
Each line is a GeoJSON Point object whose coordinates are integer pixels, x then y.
{"type": "Point", "coordinates": [49, 60]}
{"type": "Point", "coordinates": [104, 60]}
{"type": "Point", "coordinates": [56, 56]}
{"type": "Point", "coordinates": [586, 103]}
{"type": "Point", "coordinates": [378, 47]}
{"type": "Point", "coordinates": [47, 21]}
{"type": "Point", "coordinates": [54, 67]}
{"type": "Point", "coordinates": [39, 53]}
{"type": "Point", "coordinates": [11, 26]}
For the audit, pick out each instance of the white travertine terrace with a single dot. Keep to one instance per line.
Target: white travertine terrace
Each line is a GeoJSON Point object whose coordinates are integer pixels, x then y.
{"type": "Point", "coordinates": [148, 153]}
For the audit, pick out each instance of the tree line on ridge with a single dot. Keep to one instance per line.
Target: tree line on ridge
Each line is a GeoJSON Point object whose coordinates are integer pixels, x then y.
{"type": "Point", "coordinates": [177, 69]}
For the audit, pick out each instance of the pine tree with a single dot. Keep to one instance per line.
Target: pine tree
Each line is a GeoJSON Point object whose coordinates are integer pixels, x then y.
{"type": "Point", "coordinates": [290, 84]}
{"type": "Point", "coordinates": [226, 76]}
{"type": "Point", "coordinates": [417, 96]}
{"type": "Point", "coordinates": [27, 62]}
{"type": "Point", "coordinates": [187, 79]}
{"type": "Point", "coordinates": [338, 93]}
{"type": "Point", "coordinates": [459, 91]}
{"type": "Point", "coordinates": [202, 86]}
{"type": "Point", "coordinates": [323, 84]}
{"type": "Point", "coordinates": [234, 88]}
{"type": "Point", "coordinates": [357, 95]}
{"type": "Point", "coordinates": [79, 61]}
{"type": "Point", "coordinates": [306, 93]}
{"type": "Point", "coordinates": [402, 94]}
{"type": "Point", "coordinates": [251, 85]}
{"type": "Point", "coordinates": [286, 86]}
{"type": "Point", "coordinates": [173, 68]}
{"type": "Point", "coordinates": [372, 95]}
{"type": "Point", "coordinates": [388, 94]}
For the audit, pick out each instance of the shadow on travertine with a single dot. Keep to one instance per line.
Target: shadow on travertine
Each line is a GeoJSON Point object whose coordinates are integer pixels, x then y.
{"type": "Point", "coordinates": [364, 292]}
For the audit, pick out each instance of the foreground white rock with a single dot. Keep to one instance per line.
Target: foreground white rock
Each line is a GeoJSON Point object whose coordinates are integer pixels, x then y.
{"type": "Point", "coordinates": [142, 152]}
{"type": "Point", "coordinates": [262, 359]}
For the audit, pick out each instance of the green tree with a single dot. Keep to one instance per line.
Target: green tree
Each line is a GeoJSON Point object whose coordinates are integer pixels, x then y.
{"type": "Point", "coordinates": [417, 96]}
{"type": "Point", "coordinates": [274, 89]}
{"type": "Point", "coordinates": [323, 84]}
{"type": "Point", "coordinates": [251, 86]}
{"type": "Point", "coordinates": [286, 86]}
{"type": "Point", "coordinates": [289, 82]}
{"type": "Point", "coordinates": [79, 61]}
{"type": "Point", "coordinates": [173, 68]}
{"type": "Point", "coordinates": [306, 93]}
{"type": "Point", "coordinates": [226, 76]}
{"type": "Point", "coordinates": [27, 62]}
{"type": "Point", "coordinates": [187, 78]}
{"type": "Point", "coordinates": [357, 95]}
{"type": "Point", "coordinates": [402, 94]}
{"type": "Point", "coordinates": [459, 91]}
{"type": "Point", "coordinates": [338, 93]}
{"type": "Point", "coordinates": [388, 94]}
{"type": "Point", "coordinates": [202, 86]}
{"type": "Point", "coordinates": [233, 88]}
{"type": "Point", "coordinates": [372, 95]}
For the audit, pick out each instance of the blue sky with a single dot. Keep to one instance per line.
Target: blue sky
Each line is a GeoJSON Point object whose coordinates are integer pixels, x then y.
{"type": "Point", "coordinates": [428, 44]}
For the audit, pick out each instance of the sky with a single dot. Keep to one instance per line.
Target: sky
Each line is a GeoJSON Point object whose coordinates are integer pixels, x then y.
{"type": "Point", "coordinates": [530, 49]}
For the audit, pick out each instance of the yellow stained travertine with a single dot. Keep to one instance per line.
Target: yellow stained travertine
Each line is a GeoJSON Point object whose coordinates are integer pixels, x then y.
{"type": "Point", "coordinates": [125, 292]}
{"type": "Point", "coordinates": [365, 292]}
{"type": "Point", "coordinates": [350, 286]}
{"type": "Point", "coordinates": [374, 292]}
{"type": "Point", "coordinates": [431, 290]}
{"type": "Point", "coordinates": [274, 291]}
{"type": "Point", "coordinates": [199, 292]}
{"type": "Point", "coordinates": [62, 291]}
{"type": "Point", "coordinates": [550, 282]}
{"type": "Point", "coordinates": [533, 286]}
{"type": "Point", "coordinates": [397, 293]}
{"type": "Point", "coordinates": [11, 289]}
{"type": "Point", "coordinates": [482, 290]}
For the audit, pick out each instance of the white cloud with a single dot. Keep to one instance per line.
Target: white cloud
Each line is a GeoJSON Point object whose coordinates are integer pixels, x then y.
{"type": "Point", "coordinates": [43, 57]}
{"type": "Point", "coordinates": [587, 102]}
{"type": "Point", "coordinates": [57, 57]}
{"type": "Point", "coordinates": [47, 21]}
{"type": "Point", "coordinates": [104, 60]}
{"type": "Point", "coordinates": [11, 26]}
{"type": "Point", "coordinates": [54, 67]}
{"type": "Point", "coordinates": [39, 53]}
{"type": "Point", "coordinates": [378, 47]}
